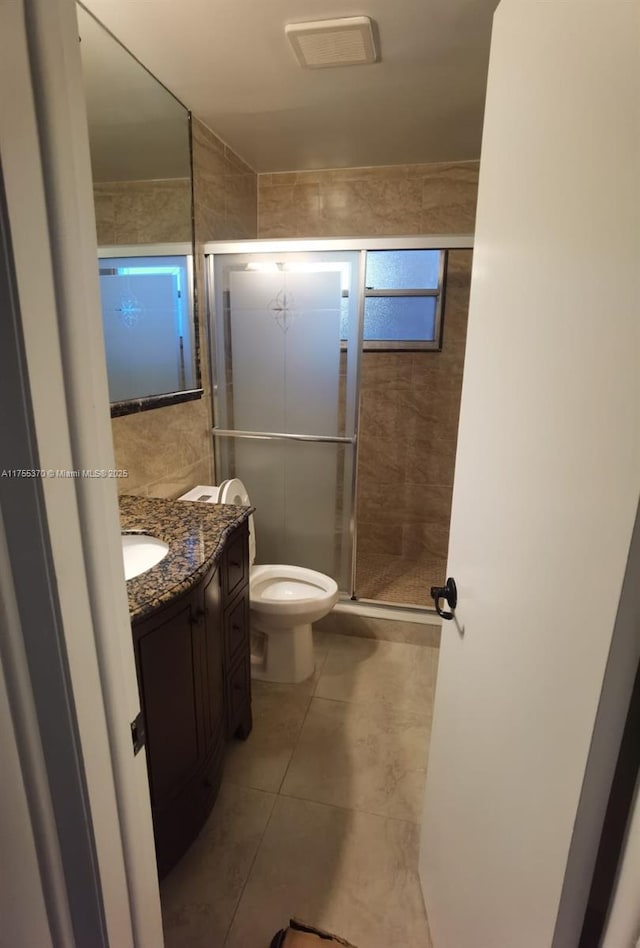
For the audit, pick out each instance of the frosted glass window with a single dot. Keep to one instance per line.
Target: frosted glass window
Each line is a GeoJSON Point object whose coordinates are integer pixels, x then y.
{"type": "Point", "coordinates": [403, 269]}
{"type": "Point", "coordinates": [403, 299]}
{"type": "Point", "coordinates": [147, 325]}
{"type": "Point", "coordinates": [398, 318]}
{"type": "Point", "coordinates": [285, 341]}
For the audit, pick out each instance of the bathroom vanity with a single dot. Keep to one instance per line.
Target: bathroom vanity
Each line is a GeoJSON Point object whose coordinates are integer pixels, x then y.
{"type": "Point", "coordinates": [190, 624]}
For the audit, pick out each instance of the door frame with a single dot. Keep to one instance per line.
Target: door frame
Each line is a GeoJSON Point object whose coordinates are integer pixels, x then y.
{"type": "Point", "coordinates": [47, 176]}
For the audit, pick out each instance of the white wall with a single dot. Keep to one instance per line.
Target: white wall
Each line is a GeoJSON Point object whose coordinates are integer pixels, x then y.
{"type": "Point", "coordinates": [546, 486]}
{"type": "Point", "coordinates": [66, 559]}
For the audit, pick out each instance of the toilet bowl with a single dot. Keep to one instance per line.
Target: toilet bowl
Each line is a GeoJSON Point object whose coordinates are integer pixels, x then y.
{"type": "Point", "coordinates": [284, 601]}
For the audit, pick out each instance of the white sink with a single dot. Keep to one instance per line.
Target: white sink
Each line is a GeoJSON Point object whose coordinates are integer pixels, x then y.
{"type": "Point", "coordinates": [140, 552]}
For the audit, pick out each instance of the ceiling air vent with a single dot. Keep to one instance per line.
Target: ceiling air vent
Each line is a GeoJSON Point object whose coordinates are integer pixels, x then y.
{"type": "Point", "coordinates": [344, 42]}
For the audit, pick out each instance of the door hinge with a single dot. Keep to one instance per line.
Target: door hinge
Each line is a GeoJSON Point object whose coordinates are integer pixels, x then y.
{"type": "Point", "coordinates": [138, 735]}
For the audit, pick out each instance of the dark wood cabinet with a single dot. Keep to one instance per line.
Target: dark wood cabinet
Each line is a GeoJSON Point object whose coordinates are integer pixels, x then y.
{"type": "Point", "coordinates": [168, 652]}
{"type": "Point", "coordinates": [236, 642]}
{"type": "Point", "coordinates": [193, 668]}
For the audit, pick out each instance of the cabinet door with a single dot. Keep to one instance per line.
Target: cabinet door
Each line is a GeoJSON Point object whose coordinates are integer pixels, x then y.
{"type": "Point", "coordinates": [235, 563]}
{"type": "Point", "coordinates": [239, 700]}
{"type": "Point", "coordinates": [171, 692]}
{"type": "Point", "coordinates": [213, 663]}
{"type": "Point", "coordinates": [236, 629]}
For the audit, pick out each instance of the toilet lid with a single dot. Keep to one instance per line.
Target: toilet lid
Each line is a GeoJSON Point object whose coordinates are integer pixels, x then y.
{"type": "Point", "coordinates": [234, 492]}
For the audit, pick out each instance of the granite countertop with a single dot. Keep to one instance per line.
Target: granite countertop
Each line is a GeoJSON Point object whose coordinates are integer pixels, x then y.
{"type": "Point", "coordinates": [196, 533]}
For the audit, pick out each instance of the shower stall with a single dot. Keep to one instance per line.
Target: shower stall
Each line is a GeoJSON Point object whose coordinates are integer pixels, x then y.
{"type": "Point", "coordinates": [320, 353]}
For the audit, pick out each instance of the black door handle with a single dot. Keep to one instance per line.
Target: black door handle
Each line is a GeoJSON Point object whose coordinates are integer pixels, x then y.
{"type": "Point", "coordinates": [448, 592]}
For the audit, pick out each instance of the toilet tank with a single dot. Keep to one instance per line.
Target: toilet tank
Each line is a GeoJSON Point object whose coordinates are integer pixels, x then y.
{"type": "Point", "coordinates": [205, 493]}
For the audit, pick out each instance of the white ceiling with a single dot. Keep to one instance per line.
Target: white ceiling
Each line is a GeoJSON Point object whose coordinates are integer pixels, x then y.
{"type": "Point", "coordinates": [137, 130]}
{"type": "Point", "coordinates": [229, 62]}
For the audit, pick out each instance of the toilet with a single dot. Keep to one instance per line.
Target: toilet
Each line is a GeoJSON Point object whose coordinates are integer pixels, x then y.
{"type": "Point", "coordinates": [284, 600]}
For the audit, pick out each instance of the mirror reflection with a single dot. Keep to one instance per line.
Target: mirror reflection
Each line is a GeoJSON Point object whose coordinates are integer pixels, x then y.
{"type": "Point", "coordinates": [139, 137]}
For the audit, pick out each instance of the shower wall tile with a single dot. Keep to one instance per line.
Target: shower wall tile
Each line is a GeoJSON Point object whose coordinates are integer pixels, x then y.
{"type": "Point", "coordinates": [168, 450]}
{"type": "Point", "coordinates": [378, 462]}
{"type": "Point", "coordinates": [429, 537]}
{"type": "Point", "coordinates": [284, 206]}
{"type": "Point", "coordinates": [430, 462]}
{"type": "Point", "coordinates": [410, 404]}
{"type": "Point", "coordinates": [350, 202]}
{"type": "Point", "coordinates": [410, 503]}
{"type": "Point", "coordinates": [376, 538]}
{"type": "Point", "coordinates": [386, 372]}
{"type": "Point", "coordinates": [449, 194]}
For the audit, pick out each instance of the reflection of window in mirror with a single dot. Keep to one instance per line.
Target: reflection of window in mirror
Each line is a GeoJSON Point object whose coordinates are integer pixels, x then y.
{"type": "Point", "coordinates": [146, 311]}
{"type": "Point", "coordinates": [139, 137]}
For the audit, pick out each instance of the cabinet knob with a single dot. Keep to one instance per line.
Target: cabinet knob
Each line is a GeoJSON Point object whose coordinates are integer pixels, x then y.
{"type": "Point", "coordinates": [199, 615]}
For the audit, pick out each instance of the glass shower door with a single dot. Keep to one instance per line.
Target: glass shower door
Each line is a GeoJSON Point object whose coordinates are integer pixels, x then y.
{"type": "Point", "coordinates": [287, 336]}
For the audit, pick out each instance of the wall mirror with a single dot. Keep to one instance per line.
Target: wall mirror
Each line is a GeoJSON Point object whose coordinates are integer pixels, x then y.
{"type": "Point", "coordinates": [139, 138]}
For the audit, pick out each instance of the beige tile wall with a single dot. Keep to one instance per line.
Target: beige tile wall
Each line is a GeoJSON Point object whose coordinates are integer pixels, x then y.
{"type": "Point", "coordinates": [167, 450]}
{"type": "Point", "coordinates": [435, 198]}
{"type": "Point", "coordinates": [410, 401]}
{"type": "Point", "coordinates": [408, 430]}
{"type": "Point", "coordinates": [143, 212]}
{"type": "Point", "coordinates": [225, 189]}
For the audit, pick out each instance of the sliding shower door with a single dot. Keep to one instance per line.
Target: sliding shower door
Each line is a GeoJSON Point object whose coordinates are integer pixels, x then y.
{"type": "Point", "coordinates": [285, 349]}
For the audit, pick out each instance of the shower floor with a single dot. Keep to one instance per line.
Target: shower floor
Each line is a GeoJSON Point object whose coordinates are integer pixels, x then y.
{"type": "Point", "coordinates": [402, 579]}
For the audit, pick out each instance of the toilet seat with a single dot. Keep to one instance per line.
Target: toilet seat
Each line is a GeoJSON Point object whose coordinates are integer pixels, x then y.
{"type": "Point", "coordinates": [233, 491]}
{"type": "Point", "coordinates": [289, 590]}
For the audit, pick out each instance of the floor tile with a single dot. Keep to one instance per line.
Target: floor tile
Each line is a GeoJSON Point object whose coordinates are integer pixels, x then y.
{"type": "Point", "coordinates": [200, 895]}
{"type": "Point", "coordinates": [262, 760]}
{"type": "Point", "coordinates": [361, 757]}
{"type": "Point", "coordinates": [407, 579]}
{"type": "Point", "coordinates": [320, 651]}
{"type": "Point", "coordinates": [349, 872]}
{"type": "Point", "coordinates": [278, 712]}
{"type": "Point", "coordinates": [366, 670]}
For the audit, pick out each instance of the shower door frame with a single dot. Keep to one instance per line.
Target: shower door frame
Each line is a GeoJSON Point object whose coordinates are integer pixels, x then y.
{"type": "Point", "coordinates": [308, 245]}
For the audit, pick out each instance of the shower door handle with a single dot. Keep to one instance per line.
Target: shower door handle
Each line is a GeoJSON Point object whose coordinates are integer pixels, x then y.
{"type": "Point", "coordinates": [450, 593]}
{"type": "Point", "coordinates": [281, 436]}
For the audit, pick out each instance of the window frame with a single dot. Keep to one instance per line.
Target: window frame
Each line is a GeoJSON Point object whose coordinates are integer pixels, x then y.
{"type": "Point", "coordinates": [408, 345]}
{"type": "Point", "coordinates": [163, 399]}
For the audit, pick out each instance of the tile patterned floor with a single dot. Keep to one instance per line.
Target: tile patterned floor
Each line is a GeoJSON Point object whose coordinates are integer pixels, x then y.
{"type": "Point", "coordinates": [319, 811]}
{"type": "Point", "coordinates": [402, 579]}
